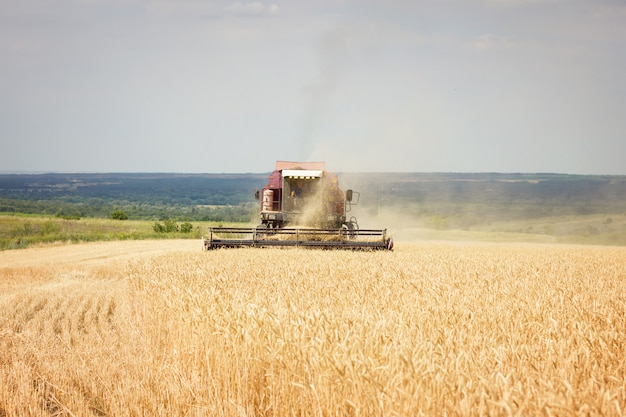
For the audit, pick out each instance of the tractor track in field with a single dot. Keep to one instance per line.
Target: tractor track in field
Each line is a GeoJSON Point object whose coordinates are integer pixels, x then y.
{"type": "Point", "coordinates": [96, 253]}
{"type": "Point", "coordinates": [69, 268]}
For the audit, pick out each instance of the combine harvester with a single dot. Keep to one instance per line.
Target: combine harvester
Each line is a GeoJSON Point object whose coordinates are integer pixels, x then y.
{"type": "Point", "coordinates": [302, 205]}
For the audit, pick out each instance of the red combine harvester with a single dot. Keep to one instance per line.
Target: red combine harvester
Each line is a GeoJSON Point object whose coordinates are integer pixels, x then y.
{"type": "Point", "coordinates": [302, 205]}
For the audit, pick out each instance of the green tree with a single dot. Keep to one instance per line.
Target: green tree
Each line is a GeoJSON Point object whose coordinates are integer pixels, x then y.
{"type": "Point", "coordinates": [170, 226]}
{"type": "Point", "coordinates": [118, 214]}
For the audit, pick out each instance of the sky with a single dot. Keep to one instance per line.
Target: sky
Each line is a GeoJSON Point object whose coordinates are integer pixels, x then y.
{"type": "Point", "coordinates": [215, 86]}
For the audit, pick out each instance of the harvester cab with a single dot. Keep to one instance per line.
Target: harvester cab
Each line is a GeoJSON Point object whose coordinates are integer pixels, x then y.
{"type": "Point", "coordinates": [304, 195]}
{"type": "Point", "coordinates": [302, 205]}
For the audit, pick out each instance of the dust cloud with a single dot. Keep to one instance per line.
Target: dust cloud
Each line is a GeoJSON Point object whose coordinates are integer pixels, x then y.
{"type": "Point", "coordinates": [372, 211]}
{"type": "Point", "coordinates": [311, 205]}
{"type": "Point", "coordinates": [400, 224]}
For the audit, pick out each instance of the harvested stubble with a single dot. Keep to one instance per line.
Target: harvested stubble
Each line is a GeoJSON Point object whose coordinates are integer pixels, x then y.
{"type": "Point", "coordinates": [426, 330]}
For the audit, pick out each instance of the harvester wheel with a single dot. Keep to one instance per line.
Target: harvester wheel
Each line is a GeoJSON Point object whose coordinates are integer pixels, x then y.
{"type": "Point", "coordinates": [349, 230]}
{"type": "Point", "coordinates": [264, 229]}
{"type": "Point", "coordinates": [352, 227]}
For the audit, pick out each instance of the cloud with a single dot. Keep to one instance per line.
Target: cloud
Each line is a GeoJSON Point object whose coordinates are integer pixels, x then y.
{"type": "Point", "coordinates": [256, 8]}
{"type": "Point", "coordinates": [521, 2]}
{"type": "Point", "coordinates": [489, 41]}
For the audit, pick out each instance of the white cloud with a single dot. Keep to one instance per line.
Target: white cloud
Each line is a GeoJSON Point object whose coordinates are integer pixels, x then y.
{"type": "Point", "coordinates": [251, 8]}
{"type": "Point", "coordinates": [489, 41]}
{"type": "Point", "coordinates": [522, 2]}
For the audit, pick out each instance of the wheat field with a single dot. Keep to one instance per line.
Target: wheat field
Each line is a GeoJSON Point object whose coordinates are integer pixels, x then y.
{"type": "Point", "coordinates": [456, 329]}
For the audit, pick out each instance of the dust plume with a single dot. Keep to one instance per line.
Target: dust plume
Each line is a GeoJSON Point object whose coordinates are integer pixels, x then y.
{"type": "Point", "coordinates": [312, 206]}
{"type": "Point", "coordinates": [332, 51]}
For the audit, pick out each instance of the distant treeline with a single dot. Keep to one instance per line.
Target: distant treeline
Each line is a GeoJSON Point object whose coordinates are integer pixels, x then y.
{"type": "Point", "coordinates": [494, 194]}
{"type": "Point", "coordinates": [566, 208]}
{"type": "Point", "coordinates": [230, 197]}
{"type": "Point", "coordinates": [207, 197]}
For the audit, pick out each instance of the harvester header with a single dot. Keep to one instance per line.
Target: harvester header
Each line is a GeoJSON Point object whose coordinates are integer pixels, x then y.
{"type": "Point", "coordinates": [302, 205]}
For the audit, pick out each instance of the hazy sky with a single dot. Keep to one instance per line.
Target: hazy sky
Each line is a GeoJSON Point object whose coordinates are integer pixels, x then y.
{"type": "Point", "coordinates": [371, 85]}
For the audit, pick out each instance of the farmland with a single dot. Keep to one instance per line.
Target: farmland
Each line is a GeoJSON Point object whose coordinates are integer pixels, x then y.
{"type": "Point", "coordinates": [131, 328]}
{"type": "Point", "coordinates": [549, 208]}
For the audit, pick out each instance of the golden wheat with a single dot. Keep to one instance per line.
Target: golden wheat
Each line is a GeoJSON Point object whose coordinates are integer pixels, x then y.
{"type": "Point", "coordinates": [430, 329]}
